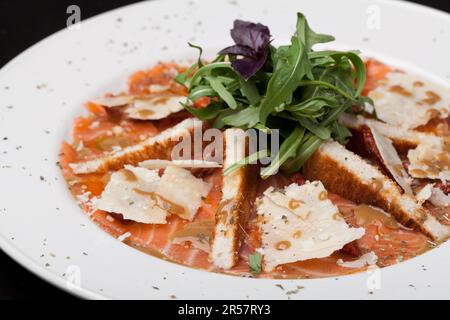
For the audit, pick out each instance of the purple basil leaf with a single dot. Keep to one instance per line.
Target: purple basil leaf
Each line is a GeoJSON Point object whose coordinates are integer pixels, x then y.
{"type": "Point", "coordinates": [239, 51]}
{"type": "Point", "coordinates": [252, 42]}
{"type": "Point", "coordinates": [247, 67]}
{"type": "Point", "coordinates": [252, 35]}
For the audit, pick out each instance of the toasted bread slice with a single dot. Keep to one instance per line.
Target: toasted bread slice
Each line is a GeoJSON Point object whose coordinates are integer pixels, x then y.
{"type": "Point", "coordinates": [348, 175]}
{"type": "Point", "coordinates": [402, 138]}
{"type": "Point", "coordinates": [235, 208]}
{"type": "Point", "coordinates": [157, 147]}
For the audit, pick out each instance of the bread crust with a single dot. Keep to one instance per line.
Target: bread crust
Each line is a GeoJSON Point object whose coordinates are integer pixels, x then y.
{"type": "Point", "coordinates": [233, 215]}
{"type": "Point", "coordinates": [148, 149]}
{"type": "Point", "coordinates": [338, 179]}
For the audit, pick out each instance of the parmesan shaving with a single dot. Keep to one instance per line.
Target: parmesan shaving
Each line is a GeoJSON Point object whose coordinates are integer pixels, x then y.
{"type": "Point", "coordinates": [116, 101]}
{"type": "Point", "coordinates": [155, 107]}
{"type": "Point", "coordinates": [287, 237]}
{"type": "Point", "coordinates": [368, 259]}
{"type": "Point", "coordinates": [392, 160]}
{"type": "Point", "coordinates": [431, 159]}
{"type": "Point", "coordinates": [410, 101]}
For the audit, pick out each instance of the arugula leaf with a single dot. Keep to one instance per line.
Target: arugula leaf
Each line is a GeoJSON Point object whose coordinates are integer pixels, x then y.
{"type": "Point", "coordinates": [287, 150]}
{"type": "Point", "coordinates": [308, 35]}
{"type": "Point", "coordinates": [327, 85]}
{"type": "Point", "coordinates": [251, 159]}
{"type": "Point", "coordinates": [250, 91]}
{"type": "Point", "coordinates": [255, 263]}
{"type": "Point", "coordinates": [311, 144]}
{"type": "Point", "coordinates": [218, 87]}
{"type": "Point", "coordinates": [218, 122]}
{"type": "Point", "coordinates": [182, 78]}
{"type": "Point", "coordinates": [200, 49]}
{"type": "Point", "coordinates": [322, 132]}
{"type": "Point", "coordinates": [333, 115]}
{"type": "Point", "coordinates": [358, 64]}
{"type": "Point", "coordinates": [288, 72]}
{"type": "Point", "coordinates": [201, 91]}
{"type": "Point", "coordinates": [292, 65]}
{"type": "Point", "coordinates": [298, 91]}
{"type": "Point", "coordinates": [340, 133]}
{"type": "Point", "coordinates": [262, 128]}
{"type": "Point", "coordinates": [208, 113]}
{"type": "Point", "coordinates": [205, 70]}
{"type": "Point", "coordinates": [247, 117]}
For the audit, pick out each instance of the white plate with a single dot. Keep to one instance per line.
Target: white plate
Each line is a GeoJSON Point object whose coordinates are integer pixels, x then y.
{"type": "Point", "coordinates": [40, 224]}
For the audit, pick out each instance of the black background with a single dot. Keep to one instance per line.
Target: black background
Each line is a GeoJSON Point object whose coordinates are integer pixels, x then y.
{"type": "Point", "coordinates": [23, 23]}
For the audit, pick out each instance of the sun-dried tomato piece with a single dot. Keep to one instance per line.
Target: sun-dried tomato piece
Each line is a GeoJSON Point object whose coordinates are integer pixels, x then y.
{"type": "Point", "coordinates": [352, 249]}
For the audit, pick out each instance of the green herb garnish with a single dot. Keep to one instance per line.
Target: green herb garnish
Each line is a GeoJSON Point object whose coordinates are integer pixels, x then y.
{"type": "Point", "coordinates": [297, 90]}
{"type": "Point", "coordinates": [255, 261]}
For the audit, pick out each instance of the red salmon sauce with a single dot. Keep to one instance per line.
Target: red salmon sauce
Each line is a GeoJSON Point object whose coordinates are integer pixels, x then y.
{"type": "Point", "coordinates": [101, 130]}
